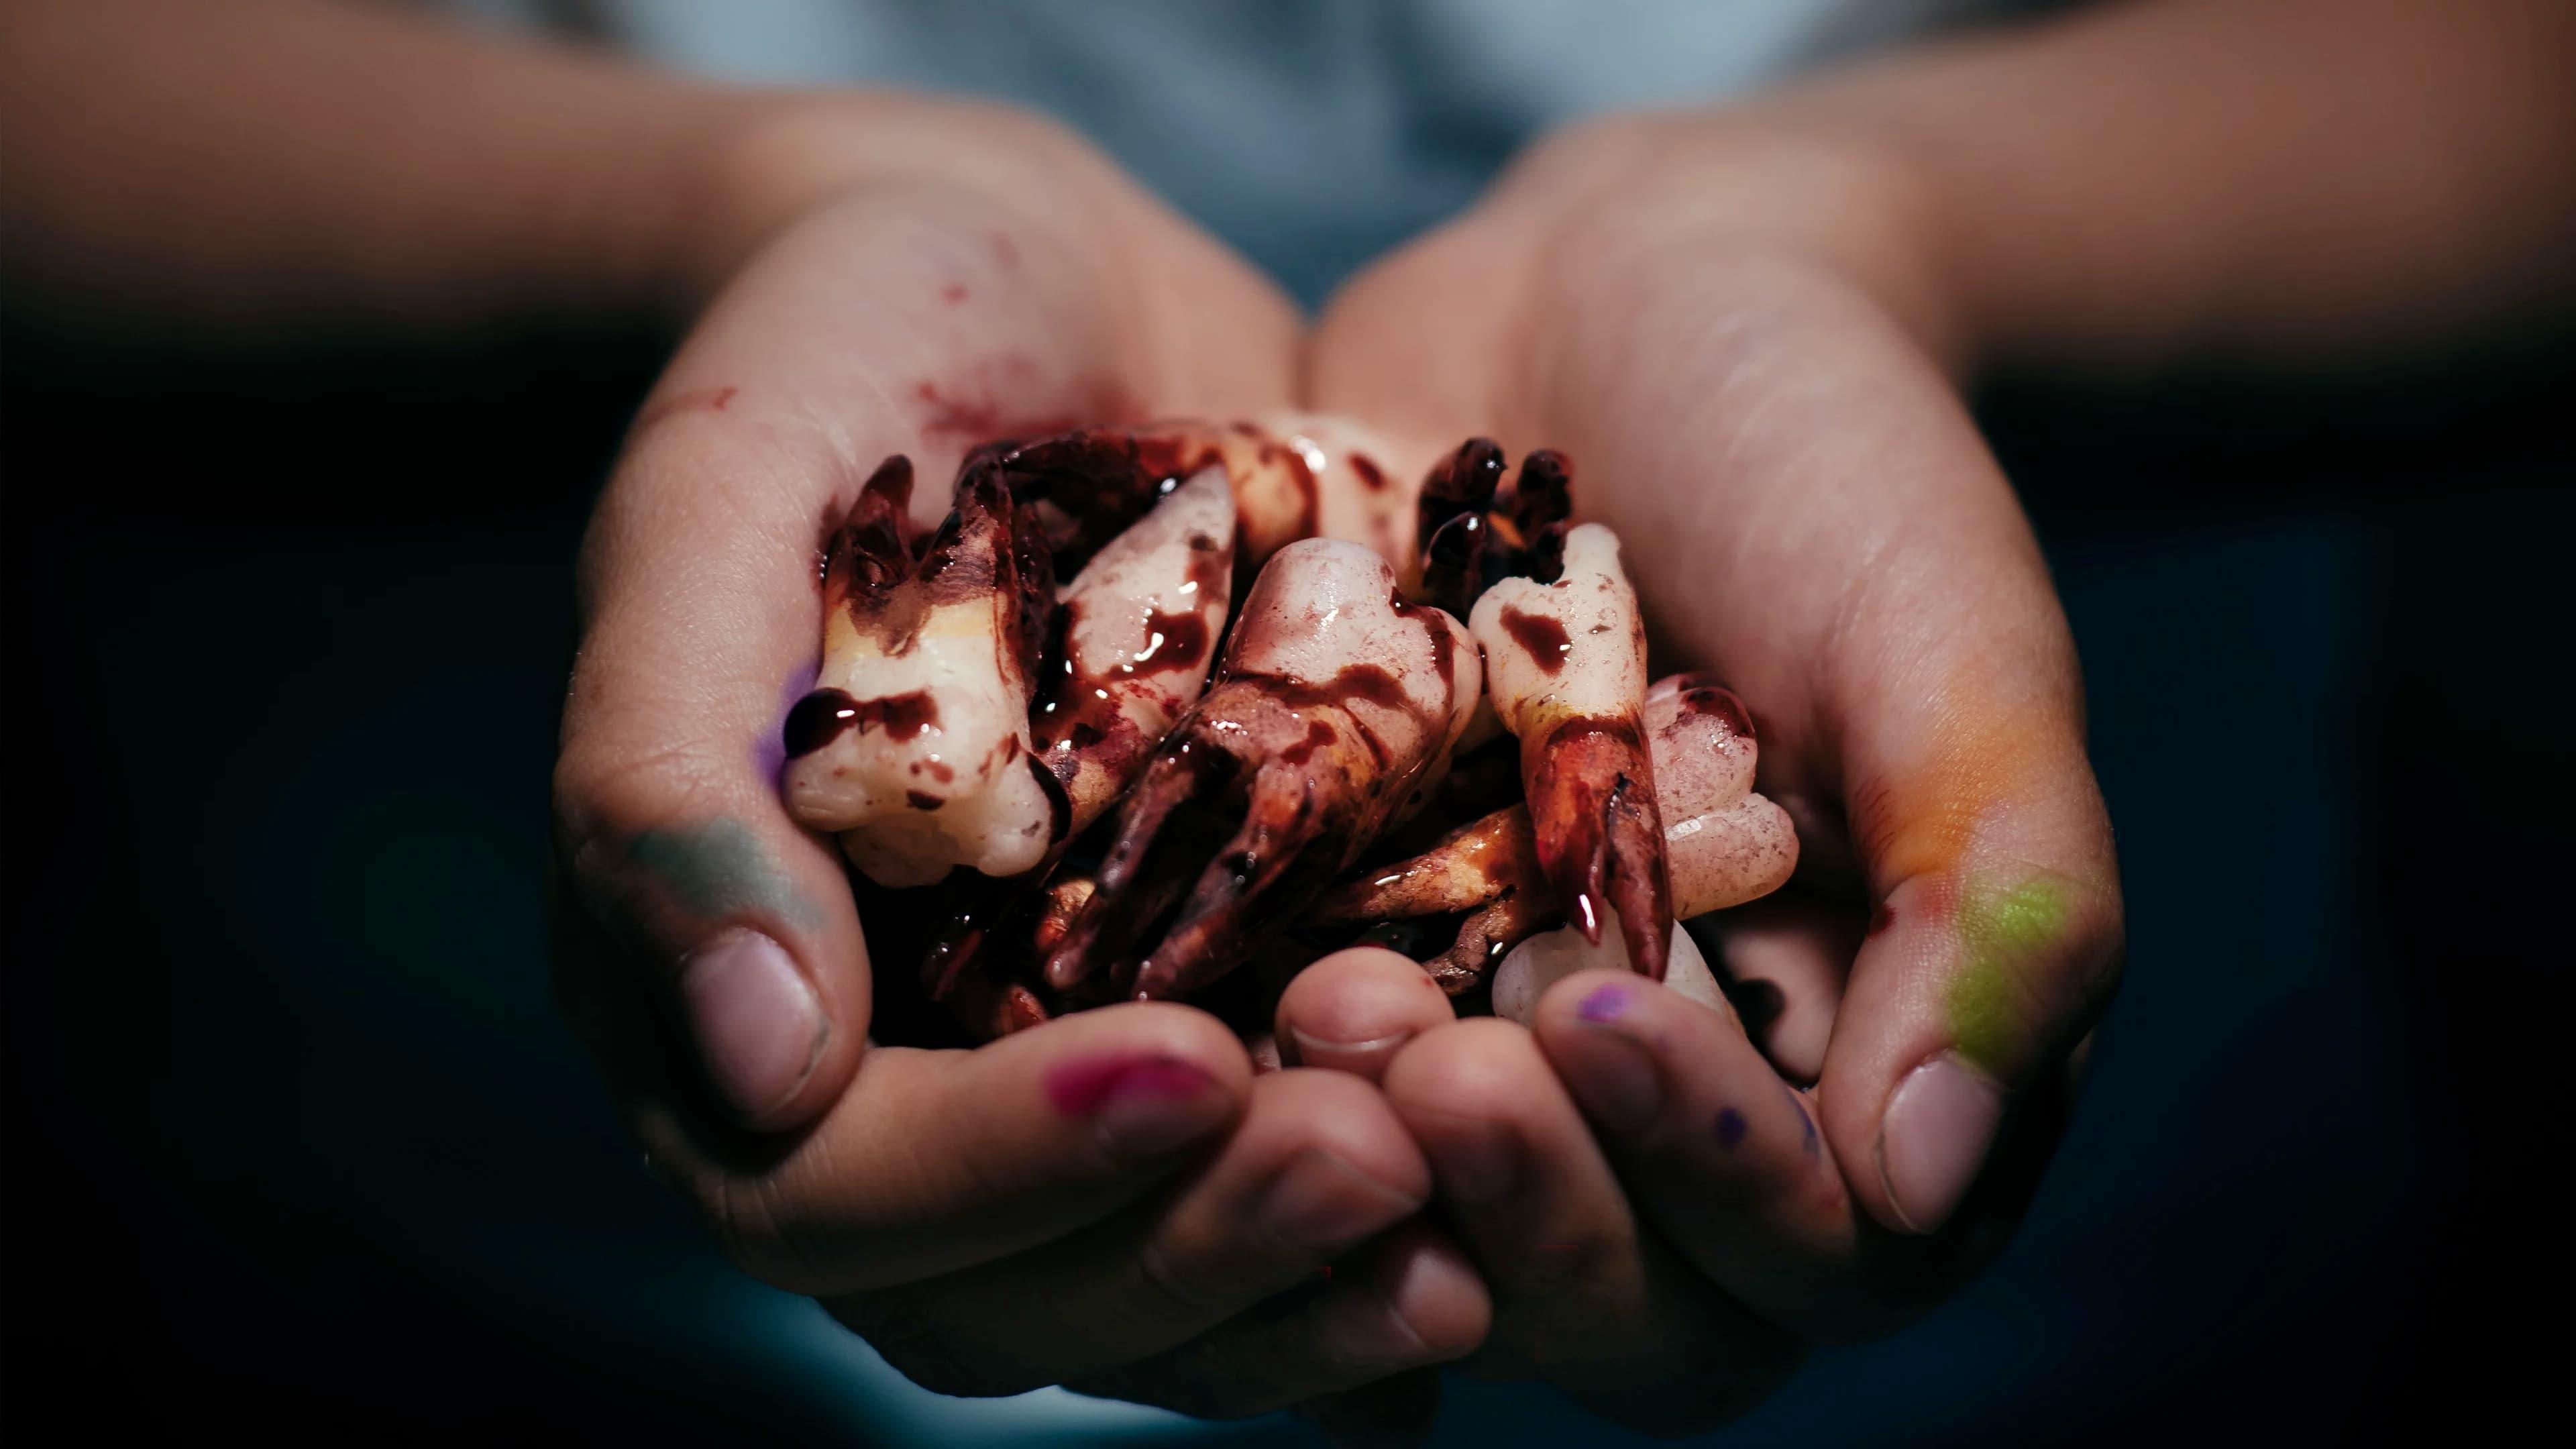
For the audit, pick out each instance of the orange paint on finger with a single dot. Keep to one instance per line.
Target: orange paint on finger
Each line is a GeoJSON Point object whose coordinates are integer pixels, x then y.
{"type": "Point", "coordinates": [1921, 822]}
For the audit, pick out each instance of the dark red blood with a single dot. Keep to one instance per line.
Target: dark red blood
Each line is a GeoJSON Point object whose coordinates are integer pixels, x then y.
{"type": "Point", "coordinates": [1540, 637]}
{"type": "Point", "coordinates": [1098, 480]}
{"type": "Point", "coordinates": [1452, 559]}
{"type": "Point", "coordinates": [1184, 644]}
{"type": "Point", "coordinates": [1444, 640]}
{"type": "Point", "coordinates": [982, 408]}
{"type": "Point", "coordinates": [1351, 684]}
{"type": "Point", "coordinates": [1370, 473]}
{"type": "Point", "coordinates": [1882, 918]}
{"type": "Point", "coordinates": [1599, 836]}
{"type": "Point", "coordinates": [1059, 804]}
{"type": "Point", "coordinates": [1210, 566]}
{"type": "Point", "coordinates": [1318, 735]}
{"type": "Point", "coordinates": [817, 720]}
{"type": "Point", "coordinates": [1464, 480]}
{"type": "Point", "coordinates": [820, 718]}
{"type": "Point", "coordinates": [920, 801]}
{"type": "Point", "coordinates": [1542, 493]}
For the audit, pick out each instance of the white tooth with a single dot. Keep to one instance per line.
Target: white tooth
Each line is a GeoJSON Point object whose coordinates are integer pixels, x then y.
{"type": "Point", "coordinates": [1530, 968]}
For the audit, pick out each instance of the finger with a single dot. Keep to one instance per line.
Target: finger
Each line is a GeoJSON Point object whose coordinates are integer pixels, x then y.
{"type": "Point", "coordinates": [934, 1161]}
{"type": "Point", "coordinates": [1909, 655]}
{"type": "Point", "coordinates": [1318, 1165]}
{"type": "Point", "coordinates": [1997, 939]}
{"type": "Point", "coordinates": [835, 350]}
{"type": "Point", "coordinates": [1783, 961]}
{"type": "Point", "coordinates": [1408, 1301]}
{"type": "Point", "coordinates": [1715, 1149]}
{"type": "Point", "coordinates": [1582, 1293]}
{"type": "Point", "coordinates": [1353, 1010]}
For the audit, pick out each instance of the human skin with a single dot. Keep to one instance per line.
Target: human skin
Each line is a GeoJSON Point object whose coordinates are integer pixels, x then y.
{"type": "Point", "coordinates": [1753, 329]}
{"type": "Point", "coordinates": [1750, 328]}
{"type": "Point", "coordinates": [859, 276]}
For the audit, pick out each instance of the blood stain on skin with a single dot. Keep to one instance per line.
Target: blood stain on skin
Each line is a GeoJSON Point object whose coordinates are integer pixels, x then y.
{"type": "Point", "coordinates": [696, 399]}
{"type": "Point", "coordinates": [1881, 919]}
{"type": "Point", "coordinates": [976, 413]}
{"type": "Point", "coordinates": [1730, 1128]}
{"type": "Point", "coordinates": [953, 293]}
{"type": "Point", "coordinates": [1080, 1088]}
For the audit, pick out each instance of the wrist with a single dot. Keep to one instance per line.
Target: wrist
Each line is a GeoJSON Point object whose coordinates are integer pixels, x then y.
{"type": "Point", "coordinates": [772, 159]}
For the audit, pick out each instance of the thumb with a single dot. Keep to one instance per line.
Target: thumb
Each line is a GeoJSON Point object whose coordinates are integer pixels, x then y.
{"type": "Point", "coordinates": [840, 345]}
{"type": "Point", "coordinates": [1997, 937]}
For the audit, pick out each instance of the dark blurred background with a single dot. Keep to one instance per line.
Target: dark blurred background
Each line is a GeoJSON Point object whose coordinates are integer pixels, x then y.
{"type": "Point", "coordinates": [295, 1140]}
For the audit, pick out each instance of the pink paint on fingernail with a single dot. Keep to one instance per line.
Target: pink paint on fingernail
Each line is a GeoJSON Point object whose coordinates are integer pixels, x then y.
{"type": "Point", "coordinates": [1606, 1003]}
{"type": "Point", "coordinates": [1143, 1105]}
{"type": "Point", "coordinates": [1078, 1089]}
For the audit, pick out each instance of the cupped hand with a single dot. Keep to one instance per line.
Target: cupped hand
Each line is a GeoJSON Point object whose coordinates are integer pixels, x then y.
{"type": "Point", "coordinates": [1739, 338]}
{"type": "Point", "coordinates": [1098, 1201]}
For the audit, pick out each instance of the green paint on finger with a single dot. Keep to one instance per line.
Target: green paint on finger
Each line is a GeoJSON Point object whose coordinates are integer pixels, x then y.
{"type": "Point", "coordinates": [2002, 936]}
{"type": "Point", "coordinates": [718, 870]}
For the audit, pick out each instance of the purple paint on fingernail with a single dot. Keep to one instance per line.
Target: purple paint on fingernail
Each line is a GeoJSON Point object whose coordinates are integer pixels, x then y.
{"type": "Point", "coordinates": [1604, 1004]}
{"type": "Point", "coordinates": [769, 750]}
{"type": "Point", "coordinates": [1730, 1128]}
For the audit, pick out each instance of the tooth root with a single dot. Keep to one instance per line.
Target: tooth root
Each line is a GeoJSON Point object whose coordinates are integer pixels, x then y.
{"type": "Point", "coordinates": [1280, 823]}
{"type": "Point", "coordinates": [1129, 894]}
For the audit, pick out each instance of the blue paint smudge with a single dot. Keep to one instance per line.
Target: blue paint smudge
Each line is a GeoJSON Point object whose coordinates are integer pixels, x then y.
{"type": "Point", "coordinates": [1730, 1128]}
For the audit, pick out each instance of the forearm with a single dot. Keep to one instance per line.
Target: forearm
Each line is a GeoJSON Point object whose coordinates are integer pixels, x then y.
{"type": "Point", "coordinates": [2299, 181]}
{"type": "Point", "coordinates": [289, 164]}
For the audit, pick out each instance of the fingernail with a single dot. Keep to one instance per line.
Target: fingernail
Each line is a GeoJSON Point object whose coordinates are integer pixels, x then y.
{"type": "Point", "coordinates": [1935, 1135]}
{"type": "Point", "coordinates": [1321, 1204]}
{"type": "Point", "coordinates": [1141, 1106]}
{"type": "Point", "coordinates": [1477, 1161]}
{"type": "Point", "coordinates": [758, 1028]}
{"type": "Point", "coordinates": [1343, 1056]}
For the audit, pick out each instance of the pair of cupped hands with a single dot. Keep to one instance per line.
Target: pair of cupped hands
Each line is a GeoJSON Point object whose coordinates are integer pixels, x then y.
{"type": "Point", "coordinates": [1737, 333]}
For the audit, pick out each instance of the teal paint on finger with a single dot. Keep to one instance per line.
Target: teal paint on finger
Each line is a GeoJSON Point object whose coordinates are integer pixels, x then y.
{"type": "Point", "coordinates": [719, 870]}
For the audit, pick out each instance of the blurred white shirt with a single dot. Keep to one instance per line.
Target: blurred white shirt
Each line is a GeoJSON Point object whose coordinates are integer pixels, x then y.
{"type": "Point", "coordinates": [1311, 134]}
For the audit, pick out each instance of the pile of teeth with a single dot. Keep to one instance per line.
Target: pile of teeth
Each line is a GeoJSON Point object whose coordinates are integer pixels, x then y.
{"type": "Point", "coordinates": [1169, 711]}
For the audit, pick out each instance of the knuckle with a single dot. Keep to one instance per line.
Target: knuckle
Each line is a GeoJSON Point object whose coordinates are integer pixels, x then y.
{"type": "Point", "coordinates": [756, 1232]}
{"type": "Point", "coordinates": [1173, 1291]}
{"type": "Point", "coordinates": [1465, 1068]}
